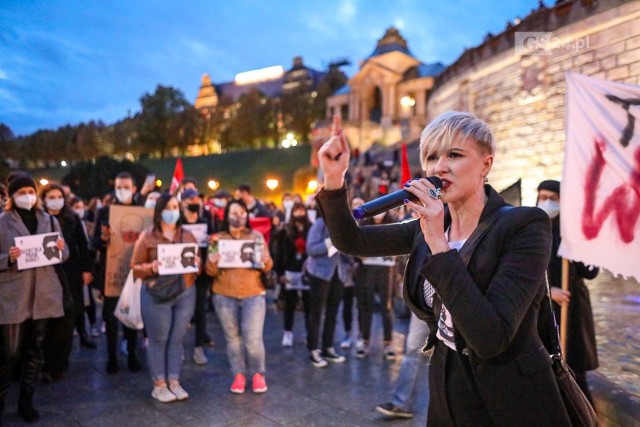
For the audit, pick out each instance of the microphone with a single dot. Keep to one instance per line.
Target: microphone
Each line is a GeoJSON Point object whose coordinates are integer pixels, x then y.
{"type": "Point", "coordinates": [390, 201]}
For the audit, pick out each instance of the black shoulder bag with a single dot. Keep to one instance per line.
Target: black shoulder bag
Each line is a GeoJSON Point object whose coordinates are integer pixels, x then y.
{"type": "Point", "coordinates": [576, 403]}
{"type": "Point", "coordinates": [68, 305]}
{"type": "Point", "coordinates": [166, 288]}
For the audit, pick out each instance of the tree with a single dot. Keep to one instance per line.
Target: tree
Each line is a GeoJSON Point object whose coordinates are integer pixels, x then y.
{"type": "Point", "coordinates": [88, 179]}
{"type": "Point", "coordinates": [167, 120]}
{"type": "Point", "coordinates": [252, 122]}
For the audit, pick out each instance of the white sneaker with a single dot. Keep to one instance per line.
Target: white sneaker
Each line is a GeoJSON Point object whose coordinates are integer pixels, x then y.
{"type": "Point", "coordinates": [162, 394]}
{"type": "Point", "coordinates": [346, 343]}
{"type": "Point", "coordinates": [199, 357]}
{"type": "Point", "coordinates": [178, 391]}
{"type": "Point", "coordinates": [330, 355]}
{"type": "Point", "coordinates": [316, 359]}
{"type": "Point", "coordinates": [287, 339]}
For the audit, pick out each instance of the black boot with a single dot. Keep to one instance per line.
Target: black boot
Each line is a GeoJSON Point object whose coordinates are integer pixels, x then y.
{"type": "Point", "coordinates": [134, 363]}
{"type": "Point", "coordinates": [112, 365]}
{"type": "Point", "coordinates": [25, 406]}
{"type": "Point", "coordinates": [87, 342]}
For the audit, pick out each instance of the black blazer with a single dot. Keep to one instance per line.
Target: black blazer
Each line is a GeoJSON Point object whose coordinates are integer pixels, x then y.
{"type": "Point", "coordinates": [494, 301]}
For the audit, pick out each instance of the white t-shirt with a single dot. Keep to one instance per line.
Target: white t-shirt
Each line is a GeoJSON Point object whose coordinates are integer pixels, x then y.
{"type": "Point", "coordinates": [445, 323]}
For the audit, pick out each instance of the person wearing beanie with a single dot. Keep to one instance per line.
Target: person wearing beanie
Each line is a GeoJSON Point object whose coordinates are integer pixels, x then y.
{"type": "Point", "coordinates": [581, 353]}
{"type": "Point", "coordinates": [29, 297]}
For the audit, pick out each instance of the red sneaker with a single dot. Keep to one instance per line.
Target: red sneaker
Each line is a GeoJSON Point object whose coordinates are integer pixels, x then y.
{"type": "Point", "coordinates": [239, 384]}
{"type": "Point", "coordinates": [259, 383]}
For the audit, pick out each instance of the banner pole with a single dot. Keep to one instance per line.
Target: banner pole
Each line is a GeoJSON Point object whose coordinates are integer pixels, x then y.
{"type": "Point", "coordinates": [564, 308]}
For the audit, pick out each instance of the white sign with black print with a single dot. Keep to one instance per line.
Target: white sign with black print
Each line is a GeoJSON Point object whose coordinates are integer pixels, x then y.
{"type": "Point", "coordinates": [38, 250]}
{"type": "Point", "coordinates": [236, 253]}
{"type": "Point", "coordinates": [177, 258]}
{"type": "Point", "coordinates": [199, 231]}
{"type": "Point", "coordinates": [380, 261]}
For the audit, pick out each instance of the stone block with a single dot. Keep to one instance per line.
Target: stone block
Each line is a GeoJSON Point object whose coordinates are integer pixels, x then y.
{"type": "Point", "coordinates": [618, 73]}
{"type": "Point", "coordinates": [608, 63]}
{"type": "Point", "coordinates": [629, 56]}
{"type": "Point", "coordinates": [633, 43]}
{"type": "Point", "coordinates": [612, 49]}
{"type": "Point", "coordinates": [634, 69]}
{"type": "Point", "coordinates": [582, 58]}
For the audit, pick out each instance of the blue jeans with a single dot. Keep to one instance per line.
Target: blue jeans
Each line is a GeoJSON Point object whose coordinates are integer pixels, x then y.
{"type": "Point", "coordinates": [242, 320]}
{"type": "Point", "coordinates": [166, 325]}
{"type": "Point", "coordinates": [412, 363]}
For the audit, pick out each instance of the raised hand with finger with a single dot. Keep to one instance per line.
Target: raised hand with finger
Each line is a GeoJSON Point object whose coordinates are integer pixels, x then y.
{"type": "Point", "coordinates": [334, 157]}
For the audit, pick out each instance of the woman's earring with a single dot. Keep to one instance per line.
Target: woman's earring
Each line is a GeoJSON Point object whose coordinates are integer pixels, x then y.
{"type": "Point", "coordinates": [485, 179]}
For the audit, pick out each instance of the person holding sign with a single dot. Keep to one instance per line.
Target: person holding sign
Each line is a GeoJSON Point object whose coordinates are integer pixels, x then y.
{"type": "Point", "coordinates": [201, 228]}
{"type": "Point", "coordinates": [58, 341]}
{"type": "Point", "coordinates": [166, 322]}
{"type": "Point", "coordinates": [30, 290]}
{"type": "Point", "coordinates": [240, 295]}
{"type": "Point", "coordinates": [476, 275]}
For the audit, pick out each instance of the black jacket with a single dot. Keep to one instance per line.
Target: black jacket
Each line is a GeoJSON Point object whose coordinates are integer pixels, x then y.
{"type": "Point", "coordinates": [494, 302]}
{"type": "Point", "coordinates": [581, 353]}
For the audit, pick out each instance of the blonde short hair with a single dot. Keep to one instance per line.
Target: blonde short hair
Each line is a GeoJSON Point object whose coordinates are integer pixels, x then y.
{"type": "Point", "coordinates": [440, 133]}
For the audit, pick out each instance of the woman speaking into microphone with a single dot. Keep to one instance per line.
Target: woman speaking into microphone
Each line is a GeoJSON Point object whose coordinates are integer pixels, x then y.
{"type": "Point", "coordinates": [476, 275]}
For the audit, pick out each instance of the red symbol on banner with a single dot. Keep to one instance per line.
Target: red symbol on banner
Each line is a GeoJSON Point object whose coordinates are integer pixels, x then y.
{"type": "Point", "coordinates": [623, 202]}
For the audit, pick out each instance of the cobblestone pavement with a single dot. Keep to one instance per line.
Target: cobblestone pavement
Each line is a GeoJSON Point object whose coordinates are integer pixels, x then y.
{"type": "Point", "coordinates": [616, 311]}
{"type": "Point", "coordinates": [298, 395]}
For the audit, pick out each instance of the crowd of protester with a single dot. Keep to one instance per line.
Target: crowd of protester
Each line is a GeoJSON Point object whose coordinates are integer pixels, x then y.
{"type": "Point", "coordinates": [309, 277]}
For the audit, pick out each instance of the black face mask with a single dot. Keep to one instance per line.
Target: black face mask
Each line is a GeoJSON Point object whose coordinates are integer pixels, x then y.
{"type": "Point", "coordinates": [193, 207]}
{"type": "Point", "coordinates": [299, 218]}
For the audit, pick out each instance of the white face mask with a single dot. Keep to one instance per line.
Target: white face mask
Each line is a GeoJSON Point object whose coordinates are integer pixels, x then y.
{"type": "Point", "coordinates": [150, 203]}
{"type": "Point", "coordinates": [219, 203]}
{"type": "Point", "coordinates": [79, 212]}
{"type": "Point", "coordinates": [54, 204]}
{"type": "Point", "coordinates": [550, 207]}
{"type": "Point", "coordinates": [25, 201]}
{"type": "Point", "coordinates": [124, 195]}
{"type": "Point", "coordinates": [288, 204]}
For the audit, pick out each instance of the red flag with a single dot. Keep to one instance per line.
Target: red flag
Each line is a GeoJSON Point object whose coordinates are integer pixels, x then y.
{"type": "Point", "coordinates": [404, 165]}
{"type": "Point", "coordinates": [178, 176]}
{"type": "Point", "coordinates": [263, 226]}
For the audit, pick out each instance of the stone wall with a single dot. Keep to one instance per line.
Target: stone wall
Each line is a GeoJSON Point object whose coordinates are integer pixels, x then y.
{"type": "Point", "coordinates": [522, 96]}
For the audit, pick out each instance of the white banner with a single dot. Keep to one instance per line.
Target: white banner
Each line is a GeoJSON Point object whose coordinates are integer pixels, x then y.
{"type": "Point", "coordinates": [600, 191]}
{"type": "Point", "coordinates": [199, 231]}
{"type": "Point", "coordinates": [177, 258]}
{"type": "Point", "coordinates": [38, 250]}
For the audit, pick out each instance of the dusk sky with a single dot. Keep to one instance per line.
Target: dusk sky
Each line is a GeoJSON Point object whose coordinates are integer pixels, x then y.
{"type": "Point", "coordinates": [66, 62]}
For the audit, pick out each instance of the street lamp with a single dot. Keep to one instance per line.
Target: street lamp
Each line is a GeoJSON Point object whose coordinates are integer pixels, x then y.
{"type": "Point", "coordinates": [289, 141]}
{"type": "Point", "coordinates": [158, 183]}
{"type": "Point", "coordinates": [63, 163]}
{"type": "Point", "coordinates": [312, 186]}
{"type": "Point", "coordinates": [44, 181]}
{"type": "Point", "coordinates": [213, 184]}
{"type": "Point", "coordinates": [272, 184]}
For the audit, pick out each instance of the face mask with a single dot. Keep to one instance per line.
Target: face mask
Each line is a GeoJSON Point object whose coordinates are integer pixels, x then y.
{"type": "Point", "coordinates": [150, 204]}
{"type": "Point", "coordinates": [99, 205]}
{"type": "Point", "coordinates": [299, 218]}
{"type": "Point", "coordinates": [219, 203]}
{"type": "Point", "coordinates": [124, 195]}
{"type": "Point", "coordinates": [193, 207]}
{"type": "Point", "coordinates": [170, 216]}
{"type": "Point", "coordinates": [79, 212]}
{"type": "Point", "coordinates": [26, 201]}
{"type": "Point", "coordinates": [550, 207]}
{"type": "Point", "coordinates": [54, 204]}
{"type": "Point", "coordinates": [237, 221]}
{"type": "Point", "coordinates": [288, 204]}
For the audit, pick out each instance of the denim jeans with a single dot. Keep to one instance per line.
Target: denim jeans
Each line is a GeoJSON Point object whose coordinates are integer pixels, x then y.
{"type": "Point", "coordinates": [166, 325]}
{"type": "Point", "coordinates": [412, 363]}
{"type": "Point", "coordinates": [242, 320]}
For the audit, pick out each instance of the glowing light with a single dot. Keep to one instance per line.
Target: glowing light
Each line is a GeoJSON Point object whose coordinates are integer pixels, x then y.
{"type": "Point", "coordinates": [312, 186]}
{"type": "Point", "coordinates": [158, 183]}
{"type": "Point", "coordinates": [407, 101]}
{"type": "Point", "coordinates": [272, 184]}
{"type": "Point", "coordinates": [63, 164]}
{"type": "Point", "coordinates": [44, 181]}
{"type": "Point", "coordinates": [260, 75]}
{"type": "Point", "coordinates": [213, 184]}
{"type": "Point", "coordinates": [289, 141]}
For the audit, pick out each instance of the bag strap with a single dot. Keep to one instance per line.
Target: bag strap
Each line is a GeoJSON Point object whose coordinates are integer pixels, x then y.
{"type": "Point", "coordinates": [483, 227]}
{"type": "Point", "coordinates": [555, 336]}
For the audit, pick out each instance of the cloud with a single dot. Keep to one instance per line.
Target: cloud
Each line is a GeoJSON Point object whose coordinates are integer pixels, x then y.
{"type": "Point", "coordinates": [346, 11]}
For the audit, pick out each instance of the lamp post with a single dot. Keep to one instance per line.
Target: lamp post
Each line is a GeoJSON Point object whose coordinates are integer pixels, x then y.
{"type": "Point", "coordinates": [272, 184]}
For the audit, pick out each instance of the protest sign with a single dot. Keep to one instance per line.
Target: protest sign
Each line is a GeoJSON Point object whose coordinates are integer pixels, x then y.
{"type": "Point", "coordinates": [177, 258]}
{"type": "Point", "coordinates": [199, 231]}
{"type": "Point", "coordinates": [236, 253]}
{"type": "Point", "coordinates": [38, 250]}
